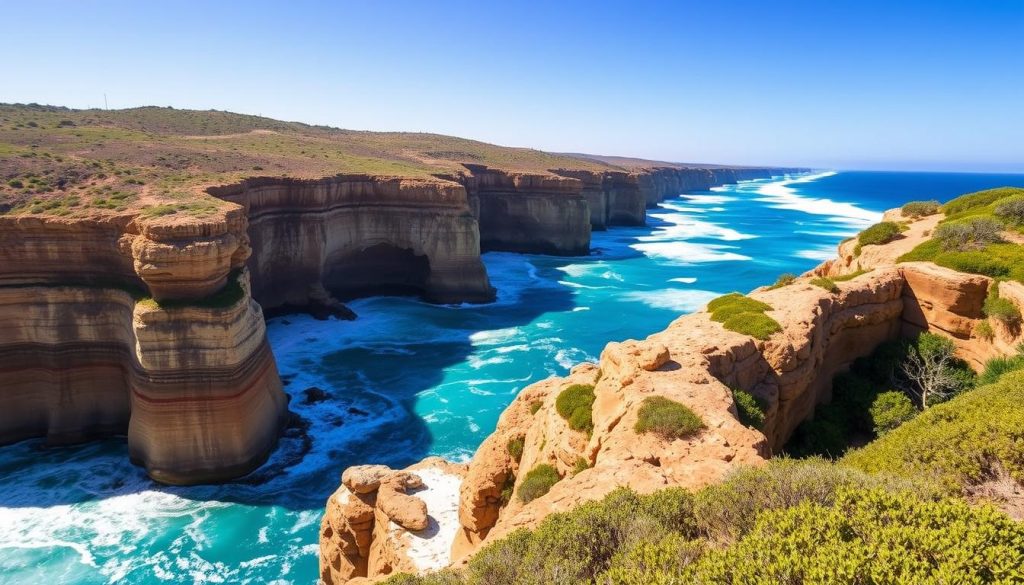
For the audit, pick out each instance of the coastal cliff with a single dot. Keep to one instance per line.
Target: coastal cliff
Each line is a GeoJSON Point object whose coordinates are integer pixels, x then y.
{"type": "Point", "coordinates": [698, 363]}
{"type": "Point", "coordinates": [356, 235]}
{"type": "Point", "coordinates": [141, 328]}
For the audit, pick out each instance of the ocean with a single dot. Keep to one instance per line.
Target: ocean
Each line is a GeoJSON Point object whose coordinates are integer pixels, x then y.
{"type": "Point", "coordinates": [409, 379]}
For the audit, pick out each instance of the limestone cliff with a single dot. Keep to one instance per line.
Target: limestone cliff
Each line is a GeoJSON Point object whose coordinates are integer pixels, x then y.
{"type": "Point", "coordinates": [697, 362]}
{"type": "Point", "coordinates": [354, 235]}
{"type": "Point", "coordinates": [138, 327]}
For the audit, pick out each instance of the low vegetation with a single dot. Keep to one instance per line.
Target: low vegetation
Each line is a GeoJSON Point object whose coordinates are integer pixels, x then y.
{"type": "Point", "coordinates": [784, 279]}
{"type": "Point", "coordinates": [749, 408]}
{"type": "Point", "coordinates": [538, 481]}
{"type": "Point", "coordinates": [924, 370]}
{"type": "Point", "coordinates": [960, 443]}
{"type": "Point", "coordinates": [1000, 309]}
{"type": "Point", "coordinates": [825, 283]}
{"type": "Point", "coordinates": [878, 234]}
{"type": "Point", "coordinates": [515, 448]}
{"type": "Point", "coordinates": [890, 410]}
{"type": "Point", "coordinates": [667, 419]}
{"type": "Point", "coordinates": [742, 314]}
{"type": "Point", "coordinates": [575, 405]}
{"type": "Point", "coordinates": [917, 209]}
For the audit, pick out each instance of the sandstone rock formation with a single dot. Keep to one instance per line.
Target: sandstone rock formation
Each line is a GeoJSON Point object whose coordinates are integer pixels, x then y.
{"type": "Point", "coordinates": [354, 235]}
{"type": "Point", "coordinates": [188, 376]}
{"type": "Point", "coordinates": [381, 521]}
{"type": "Point", "coordinates": [696, 362]}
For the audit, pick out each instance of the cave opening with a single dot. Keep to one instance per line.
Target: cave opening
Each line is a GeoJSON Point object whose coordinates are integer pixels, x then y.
{"type": "Point", "coordinates": [381, 269]}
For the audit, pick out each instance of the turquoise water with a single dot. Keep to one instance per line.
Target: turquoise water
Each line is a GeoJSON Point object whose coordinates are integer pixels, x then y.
{"type": "Point", "coordinates": [409, 379]}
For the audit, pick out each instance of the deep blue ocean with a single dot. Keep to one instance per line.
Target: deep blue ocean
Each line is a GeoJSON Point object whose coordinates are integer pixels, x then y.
{"type": "Point", "coordinates": [409, 379]}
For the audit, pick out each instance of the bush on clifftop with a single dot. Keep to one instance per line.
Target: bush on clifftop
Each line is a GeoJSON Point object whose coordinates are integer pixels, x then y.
{"type": "Point", "coordinates": [742, 314]}
{"type": "Point", "coordinates": [537, 482]}
{"type": "Point", "coordinates": [749, 408]}
{"type": "Point", "coordinates": [575, 405]}
{"type": "Point", "coordinates": [920, 208]}
{"type": "Point", "coordinates": [878, 234]}
{"type": "Point", "coordinates": [667, 419]}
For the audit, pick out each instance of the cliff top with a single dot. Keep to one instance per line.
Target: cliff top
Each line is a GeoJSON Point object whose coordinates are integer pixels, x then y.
{"type": "Point", "coordinates": [159, 161]}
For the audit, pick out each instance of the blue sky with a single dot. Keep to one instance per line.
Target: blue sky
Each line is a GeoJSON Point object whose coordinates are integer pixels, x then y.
{"type": "Point", "coordinates": [889, 85]}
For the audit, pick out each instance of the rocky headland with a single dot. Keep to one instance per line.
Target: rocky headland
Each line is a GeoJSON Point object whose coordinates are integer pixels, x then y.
{"type": "Point", "coordinates": [823, 328]}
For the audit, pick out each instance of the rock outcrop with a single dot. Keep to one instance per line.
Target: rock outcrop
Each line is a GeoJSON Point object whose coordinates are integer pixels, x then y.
{"type": "Point", "coordinates": [381, 520]}
{"type": "Point", "coordinates": [698, 363]}
{"type": "Point", "coordinates": [138, 327]}
{"type": "Point", "coordinates": [355, 235]}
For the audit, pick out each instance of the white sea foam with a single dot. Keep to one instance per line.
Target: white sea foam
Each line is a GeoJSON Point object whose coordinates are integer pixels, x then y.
{"type": "Point", "coordinates": [689, 252]}
{"type": "Point", "coordinates": [708, 199]}
{"type": "Point", "coordinates": [684, 279]}
{"type": "Point", "coordinates": [820, 254]}
{"type": "Point", "coordinates": [684, 301]}
{"type": "Point", "coordinates": [781, 195]}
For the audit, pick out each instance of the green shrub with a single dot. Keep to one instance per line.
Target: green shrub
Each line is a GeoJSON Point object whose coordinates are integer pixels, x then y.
{"type": "Point", "coordinates": [890, 410]}
{"type": "Point", "coordinates": [959, 442]}
{"type": "Point", "coordinates": [537, 482]}
{"type": "Point", "coordinates": [15, 183]}
{"type": "Point", "coordinates": [979, 199]}
{"type": "Point", "coordinates": [515, 448]}
{"type": "Point", "coordinates": [996, 367]}
{"type": "Point", "coordinates": [580, 465]}
{"type": "Point", "coordinates": [756, 325]}
{"type": "Point", "coordinates": [968, 234]}
{"type": "Point", "coordinates": [734, 304]}
{"type": "Point", "coordinates": [999, 308]}
{"type": "Point", "coordinates": [667, 418]}
{"type": "Point", "coordinates": [535, 406]}
{"type": "Point", "coordinates": [825, 283]}
{"type": "Point", "coordinates": [984, 330]}
{"type": "Point", "coordinates": [783, 280]}
{"type": "Point", "coordinates": [870, 536]}
{"type": "Point", "coordinates": [575, 405]}
{"type": "Point", "coordinates": [1011, 211]}
{"type": "Point", "coordinates": [880, 233]}
{"type": "Point", "coordinates": [750, 409]}
{"type": "Point", "coordinates": [920, 208]}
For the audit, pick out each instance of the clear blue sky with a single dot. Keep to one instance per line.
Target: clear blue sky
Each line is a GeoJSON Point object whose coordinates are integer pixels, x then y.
{"type": "Point", "coordinates": [906, 84]}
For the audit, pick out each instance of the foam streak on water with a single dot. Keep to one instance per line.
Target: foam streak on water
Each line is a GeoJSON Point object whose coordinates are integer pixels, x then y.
{"type": "Point", "coordinates": [408, 379]}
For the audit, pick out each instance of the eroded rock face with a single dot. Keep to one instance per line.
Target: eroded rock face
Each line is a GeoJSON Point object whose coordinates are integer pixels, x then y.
{"type": "Point", "coordinates": [696, 362]}
{"type": "Point", "coordinates": [354, 235]}
{"type": "Point", "coordinates": [407, 523]}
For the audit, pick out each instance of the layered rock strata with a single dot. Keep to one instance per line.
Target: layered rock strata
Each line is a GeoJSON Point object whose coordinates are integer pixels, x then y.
{"type": "Point", "coordinates": [140, 328]}
{"type": "Point", "coordinates": [698, 363]}
{"type": "Point", "coordinates": [355, 235]}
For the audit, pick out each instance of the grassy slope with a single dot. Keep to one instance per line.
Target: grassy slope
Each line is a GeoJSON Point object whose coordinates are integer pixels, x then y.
{"type": "Point", "coordinates": [74, 162]}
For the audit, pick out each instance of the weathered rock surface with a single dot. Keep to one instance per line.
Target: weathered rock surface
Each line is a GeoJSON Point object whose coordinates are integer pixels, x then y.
{"type": "Point", "coordinates": [406, 524]}
{"type": "Point", "coordinates": [696, 362]}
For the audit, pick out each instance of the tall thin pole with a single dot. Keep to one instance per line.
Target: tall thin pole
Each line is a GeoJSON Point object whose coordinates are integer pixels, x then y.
{"type": "Point", "coordinates": [105, 106]}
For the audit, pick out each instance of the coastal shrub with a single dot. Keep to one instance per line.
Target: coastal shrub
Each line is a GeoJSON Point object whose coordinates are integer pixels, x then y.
{"type": "Point", "coordinates": [920, 208]}
{"type": "Point", "coordinates": [825, 283]}
{"type": "Point", "coordinates": [890, 410]}
{"type": "Point", "coordinates": [984, 330]}
{"type": "Point", "coordinates": [756, 325]}
{"type": "Point", "coordinates": [580, 465]}
{"type": "Point", "coordinates": [1011, 211]}
{"type": "Point", "coordinates": [515, 447]}
{"type": "Point", "coordinates": [784, 279]}
{"type": "Point", "coordinates": [958, 443]}
{"type": "Point", "coordinates": [575, 404]}
{"type": "Point", "coordinates": [978, 200]}
{"type": "Point", "coordinates": [870, 536]}
{"type": "Point", "coordinates": [507, 488]}
{"type": "Point", "coordinates": [1004, 310]}
{"type": "Point", "coordinates": [667, 419]}
{"type": "Point", "coordinates": [15, 183]}
{"type": "Point", "coordinates": [733, 304]}
{"type": "Point", "coordinates": [997, 260]}
{"type": "Point", "coordinates": [880, 233]}
{"type": "Point", "coordinates": [996, 367]}
{"type": "Point", "coordinates": [538, 481]}
{"type": "Point", "coordinates": [968, 234]}
{"type": "Point", "coordinates": [535, 406]}
{"type": "Point", "coordinates": [750, 409]}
